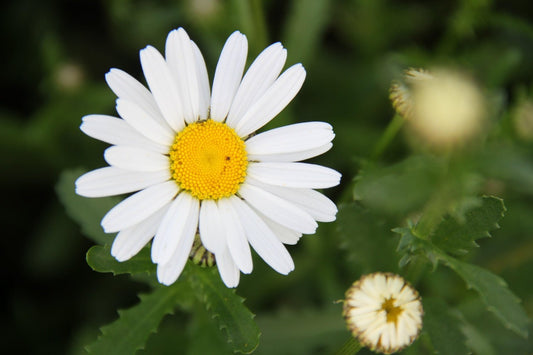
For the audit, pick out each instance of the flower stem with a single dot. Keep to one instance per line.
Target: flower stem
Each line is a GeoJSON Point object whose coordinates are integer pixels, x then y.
{"type": "Point", "coordinates": [352, 346]}
{"type": "Point", "coordinates": [386, 138]}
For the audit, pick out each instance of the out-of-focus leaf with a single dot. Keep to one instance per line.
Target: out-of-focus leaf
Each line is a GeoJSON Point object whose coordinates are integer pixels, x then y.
{"type": "Point", "coordinates": [311, 15]}
{"type": "Point", "coordinates": [367, 238]}
{"type": "Point", "coordinates": [99, 259]}
{"type": "Point", "coordinates": [400, 188]}
{"type": "Point", "coordinates": [87, 212]}
{"type": "Point", "coordinates": [225, 307]}
{"type": "Point", "coordinates": [309, 331]}
{"type": "Point", "coordinates": [477, 341]}
{"type": "Point", "coordinates": [444, 328]}
{"type": "Point", "coordinates": [510, 164]}
{"type": "Point", "coordinates": [495, 294]}
{"type": "Point", "coordinates": [458, 235]}
{"type": "Point", "coordinates": [134, 325]}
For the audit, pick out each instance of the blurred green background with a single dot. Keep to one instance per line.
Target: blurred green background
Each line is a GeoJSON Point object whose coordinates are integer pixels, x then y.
{"type": "Point", "coordinates": [56, 53]}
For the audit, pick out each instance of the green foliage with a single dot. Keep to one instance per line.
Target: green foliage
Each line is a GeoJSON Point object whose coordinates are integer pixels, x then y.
{"type": "Point", "coordinates": [443, 328]}
{"type": "Point", "coordinates": [303, 43]}
{"type": "Point", "coordinates": [226, 308]}
{"type": "Point", "coordinates": [457, 234]}
{"type": "Point", "coordinates": [476, 223]}
{"type": "Point", "coordinates": [367, 239]}
{"type": "Point", "coordinates": [494, 292]}
{"type": "Point", "coordinates": [205, 335]}
{"type": "Point", "coordinates": [383, 188]}
{"type": "Point", "coordinates": [88, 212]}
{"type": "Point", "coordinates": [308, 331]}
{"type": "Point", "coordinates": [133, 327]}
{"type": "Point", "coordinates": [99, 259]}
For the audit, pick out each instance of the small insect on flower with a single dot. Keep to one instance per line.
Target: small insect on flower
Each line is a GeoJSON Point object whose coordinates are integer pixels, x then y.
{"type": "Point", "coordinates": [192, 158]}
{"type": "Point", "coordinates": [383, 311]}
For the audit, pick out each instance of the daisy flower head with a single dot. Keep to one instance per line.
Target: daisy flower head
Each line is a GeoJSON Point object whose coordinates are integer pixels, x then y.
{"type": "Point", "coordinates": [383, 311]}
{"type": "Point", "coordinates": [191, 158]}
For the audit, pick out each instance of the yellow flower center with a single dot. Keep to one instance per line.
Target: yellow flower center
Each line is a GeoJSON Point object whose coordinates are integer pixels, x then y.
{"type": "Point", "coordinates": [392, 311]}
{"type": "Point", "coordinates": [208, 159]}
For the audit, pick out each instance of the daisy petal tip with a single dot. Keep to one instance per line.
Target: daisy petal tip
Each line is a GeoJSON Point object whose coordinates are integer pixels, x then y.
{"type": "Point", "coordinates": [120, 256]}
{"type": "Point", "coordinates": [247, 268]}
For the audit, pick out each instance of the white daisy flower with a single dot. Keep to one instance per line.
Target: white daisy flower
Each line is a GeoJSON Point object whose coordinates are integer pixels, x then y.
{"type": "Point", "coordinates": [192, 155]}
{"type": "Point", "coordinates": [383, 311]}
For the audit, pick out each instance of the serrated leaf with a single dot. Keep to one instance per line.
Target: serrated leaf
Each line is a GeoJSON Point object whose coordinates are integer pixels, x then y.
{"type": "Point", "coordinates": [204, 335]}
{"type": "Point", "coordinates": [367, 239]}
{"type": "Point", "coordinates": [87, 212]}
{"type": "Point", "coordinates": [100, 259]}
{"type": "Point", "coordinates": [457, 234]}
{"type": "Point", "coordinates": [494, 292]}
{"type": "Point", "coordinates": [134, 325]}
{"type": "Point", "coordinates": [443, 328]}
{"type": "Point", "coordinates": [411, 246]}
{"type": "Point", "coordinates": [226, 307]}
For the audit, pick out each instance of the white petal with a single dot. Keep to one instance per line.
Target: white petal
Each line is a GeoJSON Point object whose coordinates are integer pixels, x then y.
{"type": "Point", "coordinates": [212, 234]}
{"type": "Point", "coordinates": [228, 75]}
{"type": "Point", "coordinates": [263, 240]}
{"type": "Point", "coordinates": [179, 220]}
{"type": "Point", "coordinates": [110, 181]}
{"type": "Point", "coordinates": [313, 202]}
{"type": "Point", "coordinates": [278, 209]}
{"type": "Point", "coordinates": [284, 234]}
{"type": "Point", "coordinates": [300, 175]}
{"type": "Point", "coordinates": [131, 158]}
{"type": "Point", "coordinates": [130, 241]}
{"type": "Point", "coordinates": [169, 272]}
{"type": "Point", "coordinates": [261, 74]}
{"type": "Point", "coordinates": [163, 87]}
{"type": "Point", "coordinates": [182, 63]}
{"type": "Point", "coordinates": [278, 95]}
{"type": "Point", "coordinates": [292, 156]}
{"type": "Point", "coordinates": [292, 138]}
{"type": "Point", "coordinates": [116, 131]}
{"type": "Point", "coordinates": [128, 88]}
{"type": "Point", "coordinates": [229, 272]}
{"type": "Point", "coordinates": [236, 238]}
{"type": "Point", "coordinates": [204, 92]}
{"type": "Point", "coordinates": [139, 206]}
{"type": "Point", "coordinates": [136, 117]}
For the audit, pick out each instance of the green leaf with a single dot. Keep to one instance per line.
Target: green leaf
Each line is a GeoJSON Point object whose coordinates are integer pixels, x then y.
{"type": "Point", "coordinates": [87, 212]}
{"type": "Point", "coordinates": [225, 307]}
{"type": "Point", "coordinates": [444, 328]}
{"type": "Point", "coordinates": [411, 246]}
{"type": "Point", "coordinates": [400, 188]}
{"type": "Point", "coordinates": [204, 335]}
{"type": "Point", "coordinates": [494, 293]}
{"type": "Point", "coordinates": [367, 239]}
{"type": "Point", "coordinates": [302, 331]}
{"type": "Point", "coordinates": [457, 234]}
{"type": "Point", "coordinates": [134, 325]}
{"type": "Point", "coordinates": [302, 44]}
{"type": "Point", "coordinates": [99, 259]}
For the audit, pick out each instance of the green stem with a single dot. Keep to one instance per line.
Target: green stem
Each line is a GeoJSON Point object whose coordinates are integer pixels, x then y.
{"type": "Point", "coordinates": [386, 138]}
{"type": "Point", "coordinates": [430, 218]}
{"type": "Point", "coordinates": [352, 346]}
